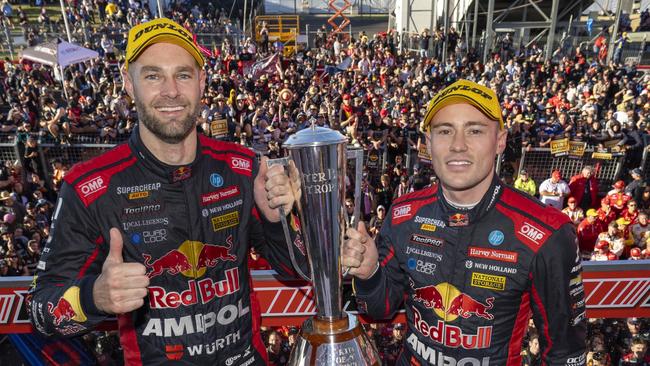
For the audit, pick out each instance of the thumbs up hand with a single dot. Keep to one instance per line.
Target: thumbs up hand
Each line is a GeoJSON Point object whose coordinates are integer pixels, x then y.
{"type": "Point", "coordinates": [359, 253]}
{"type": "Point", "coordinates": [121, 287]}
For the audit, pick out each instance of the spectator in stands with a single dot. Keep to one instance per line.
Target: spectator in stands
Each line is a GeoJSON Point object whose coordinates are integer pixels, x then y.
{"type": "Point", "coordinates": [553, 190]}
{"type": "Point", "coordinates": [640, 229]}
{"type": "Point", "coordinates": [631, 213]}
{"type": "Point", "coordinates": [278, 354]}
{"type": "Point", "coordinates": [605, 212]}
{"type": "Point", "coordinates": [601, 252]}
{"type": "Point", "coordinates": [617, 197]}
{"type": "Point", "coordinates": [32, 256]}
{"type": "Point", "coordinates": [635, 188]}
{"type": "Point", "coordinates": [614, 239]}
{"type": "Point", "coordinates": [644, 202]}
{"type": "Point", "coordinates": [635, 254]}
{"type": "Point", "coordinates": [574, 212]}
{"type": "Point", "coordinates": [624, 231]}
{"type": "Point", "coordinates": [531, 355]}
{"type": "Point", "coordinates": [638, 355]}
{"type": "Point", "coordinates": [588, 231]}
{"type": "Point", "coordinates": [525, 184]}
{"type": "Point", "coordinates": [377, 221]}
{"type": "Point", "coordinates": [633, 328]}
{"type": "Point", "coordinates": [584, 187]}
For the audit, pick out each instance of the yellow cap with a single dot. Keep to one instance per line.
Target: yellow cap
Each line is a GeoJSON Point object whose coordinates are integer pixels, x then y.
{"type": "Point", "coordinates": [622, 221]}
{"type": "Point", "coordinates": [160, 30]}
{"type": "Point", "coordinates": [591, 212]}
{"type": "Point", "coordinates": [465, 91]}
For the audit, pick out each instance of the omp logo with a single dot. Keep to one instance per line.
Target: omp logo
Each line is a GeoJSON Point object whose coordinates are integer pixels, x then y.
{"type": "Point", "coordinates": [240, 164]}
{"type": "Point", "coordinates": [401, 211]}
{"type": "Point", "coordinates": [531, 232]}
{"type": "Point", "coordinates": [92, 186]}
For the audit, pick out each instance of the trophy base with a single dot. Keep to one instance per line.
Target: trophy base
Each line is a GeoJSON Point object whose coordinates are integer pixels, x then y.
{"type": "Point", "coordinates": [336, 342]}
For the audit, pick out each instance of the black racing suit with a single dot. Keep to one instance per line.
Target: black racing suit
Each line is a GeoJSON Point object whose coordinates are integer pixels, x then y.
{"type": "Point", "coordinates": [191, 226]}
{"type": "Point", "coordinates": [470, 279]}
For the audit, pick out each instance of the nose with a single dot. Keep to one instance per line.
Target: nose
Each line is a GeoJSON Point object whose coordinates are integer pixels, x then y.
{"type": "Point", "coordinates": [458, 142]}
{"type": "Point", "coordinates": [169, 88]}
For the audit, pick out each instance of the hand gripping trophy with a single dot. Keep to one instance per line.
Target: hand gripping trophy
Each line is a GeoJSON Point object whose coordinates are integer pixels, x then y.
{"type": "Point", "coordinates": [332, 336]}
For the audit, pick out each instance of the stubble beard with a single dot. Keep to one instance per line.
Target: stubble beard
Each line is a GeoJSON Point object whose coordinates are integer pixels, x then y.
{"type": "Point", "coordinates": [174, 131]}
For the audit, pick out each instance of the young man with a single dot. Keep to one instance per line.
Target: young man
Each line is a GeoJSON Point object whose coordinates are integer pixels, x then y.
{"type": "Point", "coordinates": [157, 231]}
{"type": "Point", "coordinates": [470, 256]}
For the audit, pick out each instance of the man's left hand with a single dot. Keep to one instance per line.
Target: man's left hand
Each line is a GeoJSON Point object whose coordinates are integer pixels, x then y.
{"type": "Point", "coordinates": [274, 188]}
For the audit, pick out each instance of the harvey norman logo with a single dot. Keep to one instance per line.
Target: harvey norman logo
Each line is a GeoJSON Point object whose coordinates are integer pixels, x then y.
{"type": "Point", "coordinates": [532, 232]}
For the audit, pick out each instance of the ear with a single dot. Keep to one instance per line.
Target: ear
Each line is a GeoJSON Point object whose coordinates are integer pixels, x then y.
{"type": "Point", "coordinates": [502, 136]}
{"type": "Point", "coordinates": [128, 82]}
{"type": "Point", "coordinates": [202, 80]}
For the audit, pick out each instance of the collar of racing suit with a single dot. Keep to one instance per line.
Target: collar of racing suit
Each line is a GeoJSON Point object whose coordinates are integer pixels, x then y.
{"type": "Point", "coordinates": [171, 173]}
{"type": "Point", "coordinates": [460, 217]}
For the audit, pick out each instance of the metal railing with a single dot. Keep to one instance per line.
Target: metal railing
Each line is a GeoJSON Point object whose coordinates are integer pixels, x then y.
{"type": "Point", "coordinates": [540, 163]}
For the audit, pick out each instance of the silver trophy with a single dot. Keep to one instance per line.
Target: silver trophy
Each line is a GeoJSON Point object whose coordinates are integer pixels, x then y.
{"type": "Point", "coordinates": [332, 337]}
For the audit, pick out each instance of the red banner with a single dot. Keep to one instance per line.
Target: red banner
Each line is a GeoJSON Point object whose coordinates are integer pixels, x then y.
{"type": "Point", "coordinates": [613, 289]}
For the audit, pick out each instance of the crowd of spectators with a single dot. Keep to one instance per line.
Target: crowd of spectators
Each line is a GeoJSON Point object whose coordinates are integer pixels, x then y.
{"type": "Point", "coordinates": [371, 90]}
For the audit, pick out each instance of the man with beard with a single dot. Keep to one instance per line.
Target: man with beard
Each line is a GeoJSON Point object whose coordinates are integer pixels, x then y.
{"type": "Point", "coordinates": [157, 231]}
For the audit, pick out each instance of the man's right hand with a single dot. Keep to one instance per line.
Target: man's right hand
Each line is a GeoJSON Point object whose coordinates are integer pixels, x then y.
{"type": "Point", "coordinates": [359, 253]}
{"type": "Point", "coordinates": [121, 287]}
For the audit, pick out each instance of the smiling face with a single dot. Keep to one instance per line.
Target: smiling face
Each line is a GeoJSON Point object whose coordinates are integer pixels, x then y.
{"type": "Point", "coordinates": [166, 84]}
{"type": "Point", "coordinates": [463, 143]}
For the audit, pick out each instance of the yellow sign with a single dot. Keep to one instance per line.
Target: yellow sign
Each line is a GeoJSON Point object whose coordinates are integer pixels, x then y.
{"type": "Point", "coordinates": [423, 152]}
{"type": "Point", "coordinates": [488, 281]}
{"type": "Point", "coordinates": [225, 221]}
{"type": "Point", "coordinates": [577, 148]}
{"type": "Point", "coordinates": [559, 146]}
{"type": "Point", "coordinates": [611, 143]}
{"type": "Point", "coordinates": [601, 156]}
{"type": "Point", "coordinates": [219, 128]}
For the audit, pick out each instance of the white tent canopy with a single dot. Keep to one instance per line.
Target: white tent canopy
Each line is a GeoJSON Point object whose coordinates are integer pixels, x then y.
{"type": "Point", "coordinates": [58, 53]}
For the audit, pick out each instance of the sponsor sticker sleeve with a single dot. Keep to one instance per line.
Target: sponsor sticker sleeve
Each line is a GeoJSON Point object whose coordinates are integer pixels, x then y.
{"type": "Point", "coordinates": [63, 290]}
{"type": "Point", "coordinates": [383, 292]}
{"type": "Point", "coordinates": [557, 304]}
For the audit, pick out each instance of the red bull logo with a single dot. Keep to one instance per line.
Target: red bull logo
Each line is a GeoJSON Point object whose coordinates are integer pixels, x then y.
{"type": "Point", "coordinates": [451, 335]}
{"type": "Point", "coordinates": [449, 303]}
{"type": "Point", "coordinates": [181, 173]}
{"type": "Point", "coordinates": [67, 308]}
{"type": "Point", "coordinates": [202, 291]}
{"type": "Point", "coordinates": [62, 311]}
{"type": "Point", "coordinates": [459, 219]}
{"type": "Point", "coordinates": [191, 259]}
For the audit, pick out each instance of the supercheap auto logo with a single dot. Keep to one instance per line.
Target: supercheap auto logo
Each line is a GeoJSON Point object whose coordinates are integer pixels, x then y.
{"type": "Point", "coordinates": [191, 259]}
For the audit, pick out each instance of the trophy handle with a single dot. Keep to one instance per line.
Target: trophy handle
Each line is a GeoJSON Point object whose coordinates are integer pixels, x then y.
{"type": "Point", "coordinates": [283, 218]}
{"type": "Point", "coordinates": [357, 155]}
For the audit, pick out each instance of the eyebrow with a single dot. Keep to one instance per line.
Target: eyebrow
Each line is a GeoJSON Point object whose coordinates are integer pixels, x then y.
{"type": "Point", "coordinates": [466, 124]}
{"type": "Point", "coordinates": [150, 68]}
